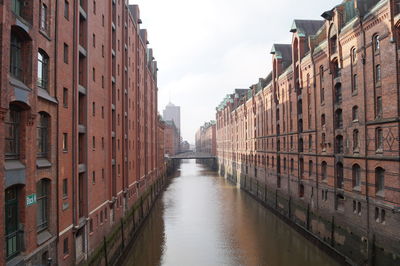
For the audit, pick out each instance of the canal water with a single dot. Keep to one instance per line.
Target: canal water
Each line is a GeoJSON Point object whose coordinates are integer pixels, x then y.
{"type": "Point", "coordinates": [203, 220]}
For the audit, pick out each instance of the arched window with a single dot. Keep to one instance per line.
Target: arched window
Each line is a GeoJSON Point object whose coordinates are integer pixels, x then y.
{"type": "Point", "coordinates": [353, 54]}
{"type": "Point", "coordinates": [43, 204]}
{"type": "Point", "coordinates": [43, 70]}
{"type": "Point", "coordinates": [339, 175]}
{"type": "Point", "coordinates": [355, 113]}
{"type": "Point", "coordinates": [324, 170]}
{"type": "Point", "coordinates": [356, 143]}
{"type": "Point", "coordinates": [339, 144]}
{"type": "Point", "coordinates": [339, 118]}
{"type": "Point", "coordinates": [43, 128]}
{"type": "Point", "coordinates": [376, 43]}
{"type": "Point", "coordinates": [19, 47]}
{"type": "Point", "coordinates": [12, 132]}
{"type": "Point", "coordinates": [356, 176]}
{"type": "Point", "coordinates": [380, 180]}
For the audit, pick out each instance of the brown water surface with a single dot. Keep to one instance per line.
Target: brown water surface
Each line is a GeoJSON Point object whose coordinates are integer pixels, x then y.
{"type": "Point", "coordinates": [203, 220]}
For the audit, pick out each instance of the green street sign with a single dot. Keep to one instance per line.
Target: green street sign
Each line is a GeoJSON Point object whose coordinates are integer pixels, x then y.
{"type": "Point", "coordinates": [30, 199]}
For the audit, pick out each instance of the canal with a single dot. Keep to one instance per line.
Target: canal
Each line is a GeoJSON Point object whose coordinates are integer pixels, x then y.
{"type": "Point", "coordinates": [201, 220]}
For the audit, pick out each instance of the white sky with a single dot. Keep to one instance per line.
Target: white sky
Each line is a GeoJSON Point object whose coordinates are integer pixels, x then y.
{"type": "Point", "coordinates": [205, 49]}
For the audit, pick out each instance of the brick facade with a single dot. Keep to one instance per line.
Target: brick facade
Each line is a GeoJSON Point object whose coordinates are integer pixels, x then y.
{"type": "Point", "coordinates": [318, 138]}
{"type": "Point", "coordinates": [78, 112]}
{"type": "Point", "coordinates": [206, 141]}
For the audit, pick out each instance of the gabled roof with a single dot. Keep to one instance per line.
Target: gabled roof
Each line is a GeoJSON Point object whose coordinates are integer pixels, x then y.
{"type": "Point", "coordinates": [306, 28]}
{"type": "Point", "coordinates": [284, 52]}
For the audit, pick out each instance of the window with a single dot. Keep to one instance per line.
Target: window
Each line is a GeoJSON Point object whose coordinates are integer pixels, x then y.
{"type": "Point", "coordinates": [94, 109]}
{"type": "Point", "coordinates": [324, 173]}
{"type": "Point", "coordinates": [356, 176]}
{"type": "Point", "coordinates": [353, 54]}
{"type": "Point", "coordinates": [356, 143]}
{"type": "Point", "coordinates": [379, 180]}
{"type": "Point", "coordinates": [291, 165]}
{"type": "Point", "coordinates": [338, 93]}
{"type": "Point", "coordinates": [102, 112]}
{"type": "Point", "coordinates": [91, 226]}
{"type": "Point", "coordinates": [42, 192]}
{"type": "Point", "coordinates": [42, 135]}
{"type": "Point", "coordinates": [379, 139]}
{"type": "Point", "coordinates": [355, 84]}
{"type": "Point", "coordinates": [94, 7]}
{"type": "Point", "coordinates": [65, 246]}
{"type": "Point", "coordinates": [65, 142]}
{"type": "Point", "coordinates": [310, 142]}
{"type": "Point", "coordinates": [94, 74]}
{"type": "Point", "coordinates": [15, 57]}
{"type": "Point", "coordinates": [102, 20]}
{"type": "Point", "coordinates": [65, 97]}
{"type": "Point", "coordinates": [43, 70]}
{"type": "Point", "coordinates": [94, 142]}
{"type": "Point", "coordinates": [301, 145]}
{"type": "Point", "coordinates": [378, 74]}
{"type": "Point", "coordinates": [339, 119]}
{"type": "Point", "coordinates": [301, 168]}
{"type": "Point", "coordinates": [16, 6]}
{"type": "Point", "coordinates": [65, 53]}
{"type": "Point", "coordinates": [65, 187]}
{"type": "Point", "coordinates": [333, 42]}
{"type": "Point", "coordinates": [339, 144]}
{"type": "Point", "coordinates": [376, 43]}
{"type": "Point", "coordinates": [323, 120]}
{"type": "Point", "coordinates": [378, 107]}
{"type": "Point", "coordinates": [94, 40]}
{"type": "Point", "coordinates": [322, 95]}
{"type": "Point", "coordinates": [339, 175]}
{"type": "Point", "coordinates": [355, 113]}
{"type": "Point", "coordinates": [43, 18]}
{"type": "Point", "coordinates": [336, 69]}
{"type": "Point", "coordinates": [94, 177]}
{"type": "Point", "coordinates": [102, 143]}
{"type": "Point", "coordinates": [102, 50]}
{"type": "Point", "coordinates": [66, 9]}
{"type": "Point", "coordinates": [310, 167]}
{"type": "Point", "coordinates": [12, 132]}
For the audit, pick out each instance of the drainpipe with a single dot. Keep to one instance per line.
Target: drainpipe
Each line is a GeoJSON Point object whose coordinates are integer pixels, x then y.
{"type": "Point", "coordinates": [315, 123]}
{"type": "Point", "coordinates": [365, 135]}
{"type": "Point", "coordinates": [58, 129]}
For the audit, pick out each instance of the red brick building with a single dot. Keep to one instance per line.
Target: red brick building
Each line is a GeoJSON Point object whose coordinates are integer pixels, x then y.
{"type": "Point", "coordinates": [171, 138]}
{"type": "Point", "coordinates": [78, 109]}
{"type": "Point", "coordinates": [318, 138]}
{"type": "Point", "coordinates": [206, 141]}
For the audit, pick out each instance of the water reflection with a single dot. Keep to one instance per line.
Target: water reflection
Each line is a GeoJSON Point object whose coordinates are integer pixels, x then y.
{"type": "Point", "coordinates": [201, 219]}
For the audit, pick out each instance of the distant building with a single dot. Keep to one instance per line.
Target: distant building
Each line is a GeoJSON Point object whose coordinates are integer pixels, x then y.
{"type": "Point", "coordinates": [185, 146]}
{"type": "Point", "coordinates": [173, 113]}
{"type": "Point", "coordinates": [171, 138]}
{"type": "Point", "coordinates": [206, 138]}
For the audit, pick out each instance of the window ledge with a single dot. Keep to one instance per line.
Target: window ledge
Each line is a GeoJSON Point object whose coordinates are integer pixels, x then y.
{"type": "Point", "coordinates": [43, 163]}
{"type": "Point", "coordinates": [19, 84]}
{"type": "Point", "coordinates": [13, 165]}
{"type": "Point", "coordinates": [45, 34]}
{"type": "Point", "coordinates": [42, 93]}
{"type": "Point", "coordinates": [357, 188]}
{"type": "Point", "coordinates": [43, 237]}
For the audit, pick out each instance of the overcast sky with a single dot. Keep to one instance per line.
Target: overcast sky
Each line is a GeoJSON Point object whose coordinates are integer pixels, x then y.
{"type": "Point", "coordinates": [205, 49]}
